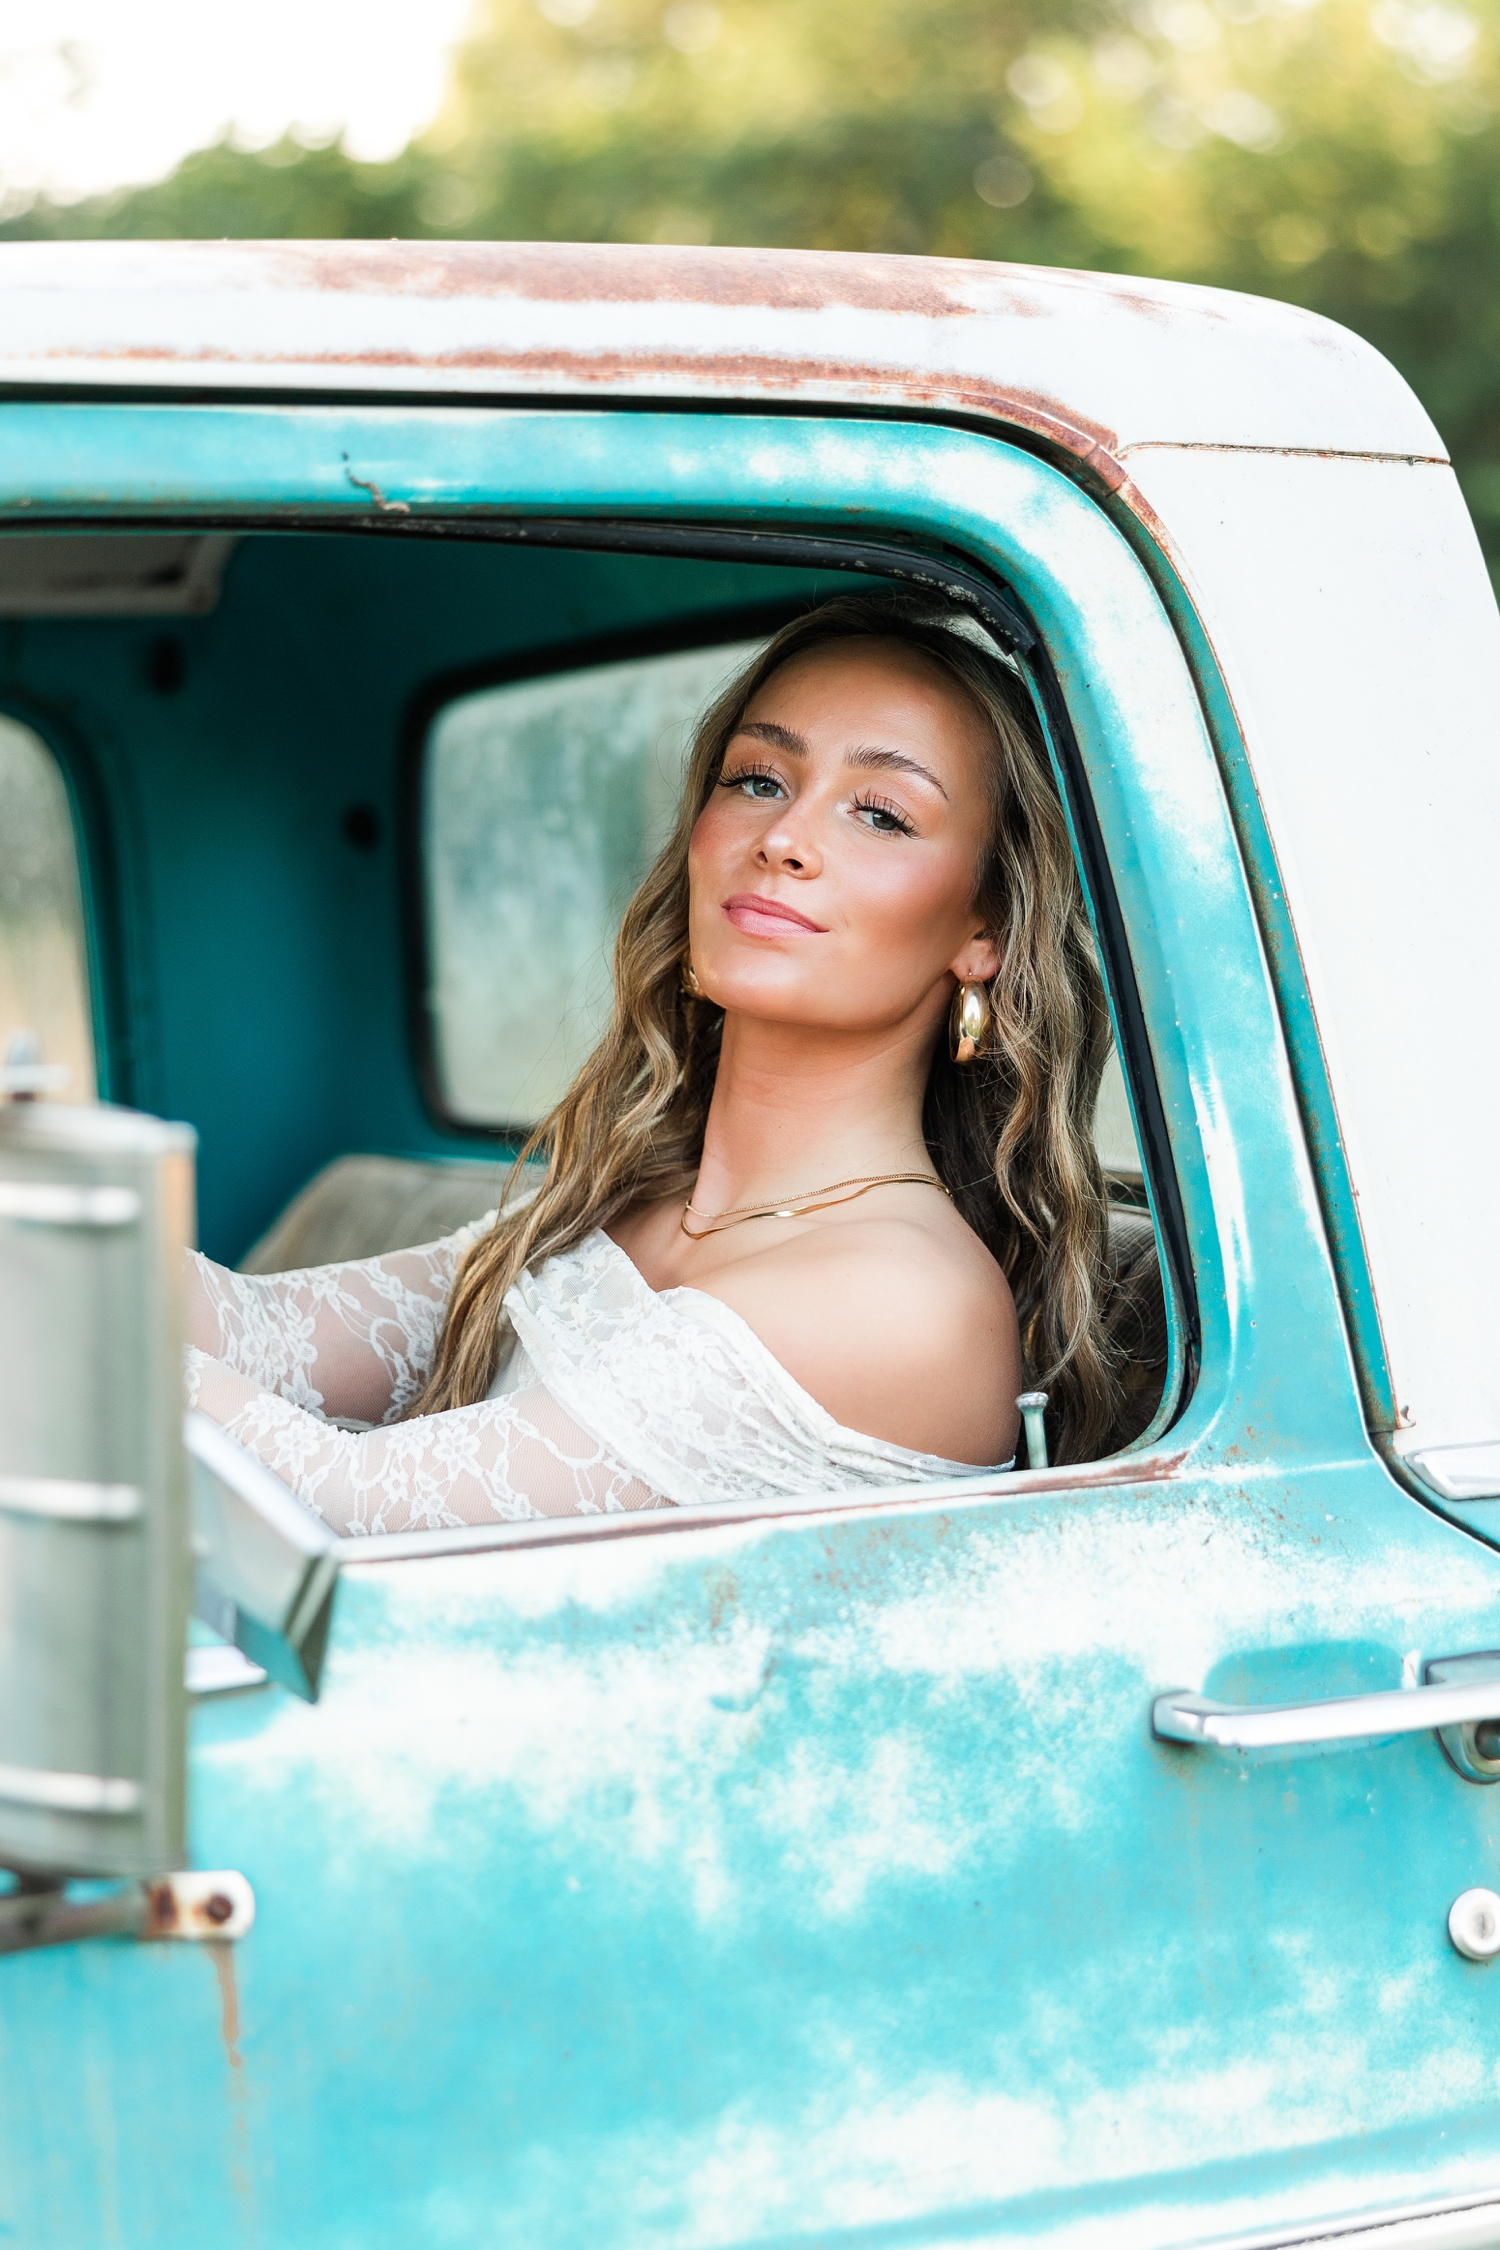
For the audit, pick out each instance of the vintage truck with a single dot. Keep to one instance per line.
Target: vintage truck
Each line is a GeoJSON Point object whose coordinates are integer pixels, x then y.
{"type": "Point", "coordinates": [1103, 1858]}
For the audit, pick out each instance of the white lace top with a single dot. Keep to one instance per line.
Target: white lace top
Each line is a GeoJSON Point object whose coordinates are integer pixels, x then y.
{"type": "Point", "coordinates": [612, 1396]}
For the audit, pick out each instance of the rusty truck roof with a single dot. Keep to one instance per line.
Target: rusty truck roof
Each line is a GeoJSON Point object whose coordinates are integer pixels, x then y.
{"type": "Point", "coordinates": [1096, 365]}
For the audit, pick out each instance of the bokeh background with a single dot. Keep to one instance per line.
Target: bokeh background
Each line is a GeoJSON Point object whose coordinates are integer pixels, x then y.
{"type": "Point", "coordinates": [1344, 154]}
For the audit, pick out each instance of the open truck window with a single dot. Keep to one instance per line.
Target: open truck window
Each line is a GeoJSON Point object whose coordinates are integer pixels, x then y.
{"type": "Point", "coordinates": [510, 767]}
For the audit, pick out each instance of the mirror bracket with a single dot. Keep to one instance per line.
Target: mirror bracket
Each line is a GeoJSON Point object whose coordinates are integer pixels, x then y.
{"type": "Point", "coordinates": [197, 1904]}
{"type": "Point", "coordinates": [267, 1568]}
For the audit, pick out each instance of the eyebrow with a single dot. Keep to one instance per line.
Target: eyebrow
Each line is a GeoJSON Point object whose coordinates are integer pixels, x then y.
{"type": "Point", "coordinates": [886, 761]}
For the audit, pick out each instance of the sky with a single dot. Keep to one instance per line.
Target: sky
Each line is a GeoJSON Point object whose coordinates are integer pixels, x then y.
{"type": "Point", "coordinates": [99, 93]}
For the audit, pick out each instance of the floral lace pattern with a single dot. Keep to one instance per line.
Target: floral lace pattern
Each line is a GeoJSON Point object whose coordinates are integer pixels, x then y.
{"type": "Point", "coordinates": [370, 1330]}
{"type": "Point", "coordinates": [509, 1460]}
{"type": "Point", "coordinates": [614, 1397]}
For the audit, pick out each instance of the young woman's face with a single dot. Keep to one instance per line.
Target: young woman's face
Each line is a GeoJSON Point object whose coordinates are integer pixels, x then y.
{"type": "Point", "coordinates": [833, 868]}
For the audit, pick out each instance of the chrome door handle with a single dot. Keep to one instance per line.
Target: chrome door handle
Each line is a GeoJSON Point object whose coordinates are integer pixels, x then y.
{"type": "Point", "coordinates": [1464, 1692]}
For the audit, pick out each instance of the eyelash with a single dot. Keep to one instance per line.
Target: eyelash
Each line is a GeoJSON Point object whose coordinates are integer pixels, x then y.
{"type": "Point", "coordinates": [742, 774]}
{"type": "Point", "coordinates": [892, 812]}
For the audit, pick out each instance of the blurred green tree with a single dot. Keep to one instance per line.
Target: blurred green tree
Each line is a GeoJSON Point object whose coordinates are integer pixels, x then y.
{"type": "Point", "coordinates": [1344, 154]}
{"type": "Point", "coordinates": [227, 192]}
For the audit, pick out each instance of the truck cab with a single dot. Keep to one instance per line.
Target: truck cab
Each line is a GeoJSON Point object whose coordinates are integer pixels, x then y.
{"type": "Point", "coordinates": [1097, 1854]}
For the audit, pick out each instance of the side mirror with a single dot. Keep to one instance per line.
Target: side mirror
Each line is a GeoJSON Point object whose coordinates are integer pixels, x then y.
{"type": "Point", "coordinates": [96, 1206]}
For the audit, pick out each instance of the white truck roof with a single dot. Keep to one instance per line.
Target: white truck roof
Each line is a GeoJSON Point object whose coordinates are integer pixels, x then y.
{"type": "Point", "coordinates": [1098, 363]}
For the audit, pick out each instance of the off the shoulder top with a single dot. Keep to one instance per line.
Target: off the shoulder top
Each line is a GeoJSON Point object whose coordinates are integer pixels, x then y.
{"type": "Point", "coordinates": [611, 1396]}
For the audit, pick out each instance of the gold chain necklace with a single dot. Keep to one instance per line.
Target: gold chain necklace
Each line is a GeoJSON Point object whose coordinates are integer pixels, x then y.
{"type": "Point", "coordinates": [799, 1206]}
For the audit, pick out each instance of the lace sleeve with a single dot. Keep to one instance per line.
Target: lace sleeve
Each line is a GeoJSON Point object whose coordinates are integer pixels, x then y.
{"type": "Point", "coordinates": [355, 1342]}
{"type": "Point", "coordinates": [507, 1460]}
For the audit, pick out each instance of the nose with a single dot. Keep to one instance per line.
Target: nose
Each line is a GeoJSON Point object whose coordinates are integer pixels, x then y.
{"type": "Point", "coordinates": [789, 846]}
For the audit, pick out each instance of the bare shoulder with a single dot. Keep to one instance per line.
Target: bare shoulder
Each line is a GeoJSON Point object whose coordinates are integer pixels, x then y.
{"type": "Point", "coordinates": [900, 1329]}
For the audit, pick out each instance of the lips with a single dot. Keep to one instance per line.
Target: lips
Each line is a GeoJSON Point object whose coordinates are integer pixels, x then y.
{"type": "Point", "coordinates": [755, 916]}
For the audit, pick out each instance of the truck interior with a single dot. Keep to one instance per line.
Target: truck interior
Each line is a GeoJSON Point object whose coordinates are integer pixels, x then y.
{"type": "Point", "coordinates": [319, 841]}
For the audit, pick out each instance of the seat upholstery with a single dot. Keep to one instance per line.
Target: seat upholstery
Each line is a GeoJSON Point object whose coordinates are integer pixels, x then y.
{"type": "Point", "coordinates": [1135, 1314]}
{"type": "Point", "coordinates": [363, 1206]}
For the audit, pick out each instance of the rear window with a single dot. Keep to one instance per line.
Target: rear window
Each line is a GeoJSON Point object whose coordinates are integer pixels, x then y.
{"type": "Point", "coordinates": [46, 1023]}
{"type": "Point", "coordinates": [543, 803]}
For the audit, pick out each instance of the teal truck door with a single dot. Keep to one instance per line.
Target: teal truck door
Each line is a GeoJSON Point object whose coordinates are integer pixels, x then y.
{"type": "Point", "coordinates": [817, 1877]}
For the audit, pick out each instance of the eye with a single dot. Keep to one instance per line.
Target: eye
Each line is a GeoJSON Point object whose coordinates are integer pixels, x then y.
{"type": "Point", "coordinates": [880, 815]}
{"type": "Point", "coordinates": [757, 782]}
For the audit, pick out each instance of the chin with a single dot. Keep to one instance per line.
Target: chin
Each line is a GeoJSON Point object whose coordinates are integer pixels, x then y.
{"type": "Point", "coordinates": [749, 990]}
{"type": "Point", "coordinates": [799, 999]}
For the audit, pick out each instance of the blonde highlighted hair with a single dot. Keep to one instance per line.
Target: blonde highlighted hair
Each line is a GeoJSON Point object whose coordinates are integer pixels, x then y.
{"type": "Point", "coordinates": [1011, 1136]}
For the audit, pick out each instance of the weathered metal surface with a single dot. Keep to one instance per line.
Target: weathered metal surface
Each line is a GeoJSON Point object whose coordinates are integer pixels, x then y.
{"type": "Point", "coordinates": [1372, 756]}
{"type": "Point", "coordinates": [1091, 364]}
{"type": "Point", "coordinates": [781, 1887]}
{"type": "Point", "coordinates": [817, 1879]}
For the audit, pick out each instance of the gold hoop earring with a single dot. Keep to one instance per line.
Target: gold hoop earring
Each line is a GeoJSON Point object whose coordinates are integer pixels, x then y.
{"type": "Point", "coordinates": [969, 1022]}
{"type": "Point", "coordinates": [687, 980]}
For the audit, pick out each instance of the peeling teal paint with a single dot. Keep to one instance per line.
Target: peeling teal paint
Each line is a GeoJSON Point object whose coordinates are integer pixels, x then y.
{"type": "Point", "coordinates": [817, 1881]}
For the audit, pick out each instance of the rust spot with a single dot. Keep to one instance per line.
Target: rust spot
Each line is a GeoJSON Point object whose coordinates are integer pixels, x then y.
{"type": "Point", "coordinates": [528, 274]}
{"type": "Point", "coordinates": [1125, 1468]}
{"type": "Point", "coordinates": [222, 1954]}
{"type": "Point", "coordinates": [161, 1910]}
{"type": "Point", "coordinates": [387, 507]}
{"type": "Point", "coordinates": [1130, 494]}
{"type": "Point", "coordinates": [218, 1908]}
{"type": "Point", "coordinates": [1065, 1480]}
{"type": "Point", "coordinates": [670, 376]}
{"type": "Point", "coordinates": [633, 274]}
{"type": "Point", "coordinates": [240, 2171]}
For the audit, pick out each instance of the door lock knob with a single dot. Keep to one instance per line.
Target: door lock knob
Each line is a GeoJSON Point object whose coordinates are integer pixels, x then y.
{"type": "Point", "coordinates": [1474, 1924]}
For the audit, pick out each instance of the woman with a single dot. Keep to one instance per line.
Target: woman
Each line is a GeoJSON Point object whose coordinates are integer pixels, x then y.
{"type": "Point", "coordinates": [825, 1195]}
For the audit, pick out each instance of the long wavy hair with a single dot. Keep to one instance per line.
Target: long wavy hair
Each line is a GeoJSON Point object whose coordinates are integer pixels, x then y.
{"type": "Point", "coordinates": [1010, 1135]}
